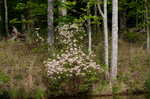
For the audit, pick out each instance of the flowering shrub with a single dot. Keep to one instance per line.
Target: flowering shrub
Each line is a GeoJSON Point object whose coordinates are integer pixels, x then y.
{"type": "Point", "coordinates": [72, 71]}
{"type": "Point", "coordinates": [69, 36]}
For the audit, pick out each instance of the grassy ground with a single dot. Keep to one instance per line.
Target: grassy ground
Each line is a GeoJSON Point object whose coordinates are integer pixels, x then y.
{"type": "Point", "coordinates": [133, 69]}
{"type": "Point", "coordinates": [134, 62]}
{"type": "Point", "coordinates": [22, 68]}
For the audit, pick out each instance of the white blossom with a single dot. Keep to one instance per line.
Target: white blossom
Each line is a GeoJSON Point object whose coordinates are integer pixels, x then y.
{"type": "Point", "coordinates": [73, 56]}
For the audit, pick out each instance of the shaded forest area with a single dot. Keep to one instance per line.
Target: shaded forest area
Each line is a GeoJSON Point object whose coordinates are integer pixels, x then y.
{"type": "Point", "coordinates": [74, 47]}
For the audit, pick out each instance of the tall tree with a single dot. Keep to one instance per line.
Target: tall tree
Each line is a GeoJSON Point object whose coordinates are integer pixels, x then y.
{"type": "Point", "coordinates": [105, 24]}
{"type": "Point", "coordinates": [147, 24]}
{"type": "Point", "coordinates": [50, 19]}
{"type": "Point", "coordinates": [114, 59]}
{"type": "Point", "coordinates": [89, 30]}
{"type": "Point", "coordinates": [6, 16]}
{"type": "Point", "coordinates": [1, 17]}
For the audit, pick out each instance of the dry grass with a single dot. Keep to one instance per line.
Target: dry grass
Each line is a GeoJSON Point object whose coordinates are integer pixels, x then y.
{"type": "Point", "coordinates": [22, 65]}
{"type": "Point", "coordinates": [133, 65]}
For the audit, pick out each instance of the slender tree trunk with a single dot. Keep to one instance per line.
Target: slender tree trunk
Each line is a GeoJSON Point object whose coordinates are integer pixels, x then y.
{"type": "Point", "coordinates": [29, 26]}
{"type": "Point", "coordinates": [137, 21]}
{"type": "Point", "coordinates": [106, 33]}
{"type": "Point", "coordinates": [63, 10]}
{"type": "Point", "coordinates": [6, 17]}
{"type": "Point", "coordinates": [106, 44]}
{"type": "Point", "coordinates": [89, 34]}
{"type": "Point", "coordinates": [23, 24]}
{"type": "Point", "coordinates": [114, 58]}
{"type": "Point", "coordinates": [95, 14]}
{"type": "Point", "coordinates": [147, 26]}
{"type": "Point", "coordinates": [50, 18]}
{"type": "Point", "coordinates": [2, 22]}
{"type": "Point", "coordinates": [123, 21]}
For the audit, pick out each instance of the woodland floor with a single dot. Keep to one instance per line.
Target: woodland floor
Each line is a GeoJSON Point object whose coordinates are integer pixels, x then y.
{"type": "Point", "coordinates": [21, 67]}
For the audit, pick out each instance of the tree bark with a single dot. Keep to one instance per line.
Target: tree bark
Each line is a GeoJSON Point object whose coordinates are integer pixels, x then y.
{"type": "Point", "coordinates": [63, 10]}
{"type": "Point", "coordinates": [137, 20]}
{"type": "Point", "coordinates": [114, 58]}
{"type": "Point", "coordinates": [23, 24]}
{"type": "Point", "coordinates": [147, 25]}
{"type": "Point", "coordinates": [2, 29]}
{"type": "Point", "coordinates": [6, 17]}
{"type": "Point", "coordinates": [89, 33]}
{"type": "Point", "coordinates": [50, 18]}
{"type": "Point", "coordinates": [106, 39]}
{"type": "Point", "coordinates": [106, 33]}
{"type": "Point", "coordinates": [123, 21]}
{"type": "Point", "coordinates": [1, 18]}
{"type": "Point", "coordinates": [106, 44]}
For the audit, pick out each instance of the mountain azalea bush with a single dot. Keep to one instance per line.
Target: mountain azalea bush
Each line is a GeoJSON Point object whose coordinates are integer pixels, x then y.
{"type": "Point", "coordinates": [72, 71]}
{"type": "Point", "coordinates": [69, 36]}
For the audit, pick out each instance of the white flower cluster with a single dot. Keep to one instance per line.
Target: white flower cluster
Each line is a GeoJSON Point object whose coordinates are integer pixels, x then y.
{"type": "Point", "coordinates": [70, 34]}
{"type": "Point", "coordinates": [73, 61]}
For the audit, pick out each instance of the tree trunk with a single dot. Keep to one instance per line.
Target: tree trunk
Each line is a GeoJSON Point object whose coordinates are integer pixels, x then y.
{"type": "Point", "coordinates": [63, 10]}
{"type": "Point", "coordinates": [95, 14]}
{"type": "Point", "coordinates": [106, 33]}
{"type": "Point", "coordinates": [6, 17]}
{"type": "Point", "coordinates": [123, 21]}
{"type": "Point", "coordinates": [147, 26]}
{"type": "Point", "coordinates": [89, 34]}
{"type": "Point", "coordinates": [114, 58]}
{"type": "Point", "coordinates": [23, 24]}
{"type": "Point", "coordinates": [29, 25]}
{"type": "Point", "coordinates": [1, 23]}
{"type": "Point", "coordinates": [50, 18]}
{"type": "Point", "coordinates": [2, 18]}
{"type": "Point", "coordinates": [137, 16]}
{"type": "Point", "coordinates": [106, 44]}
